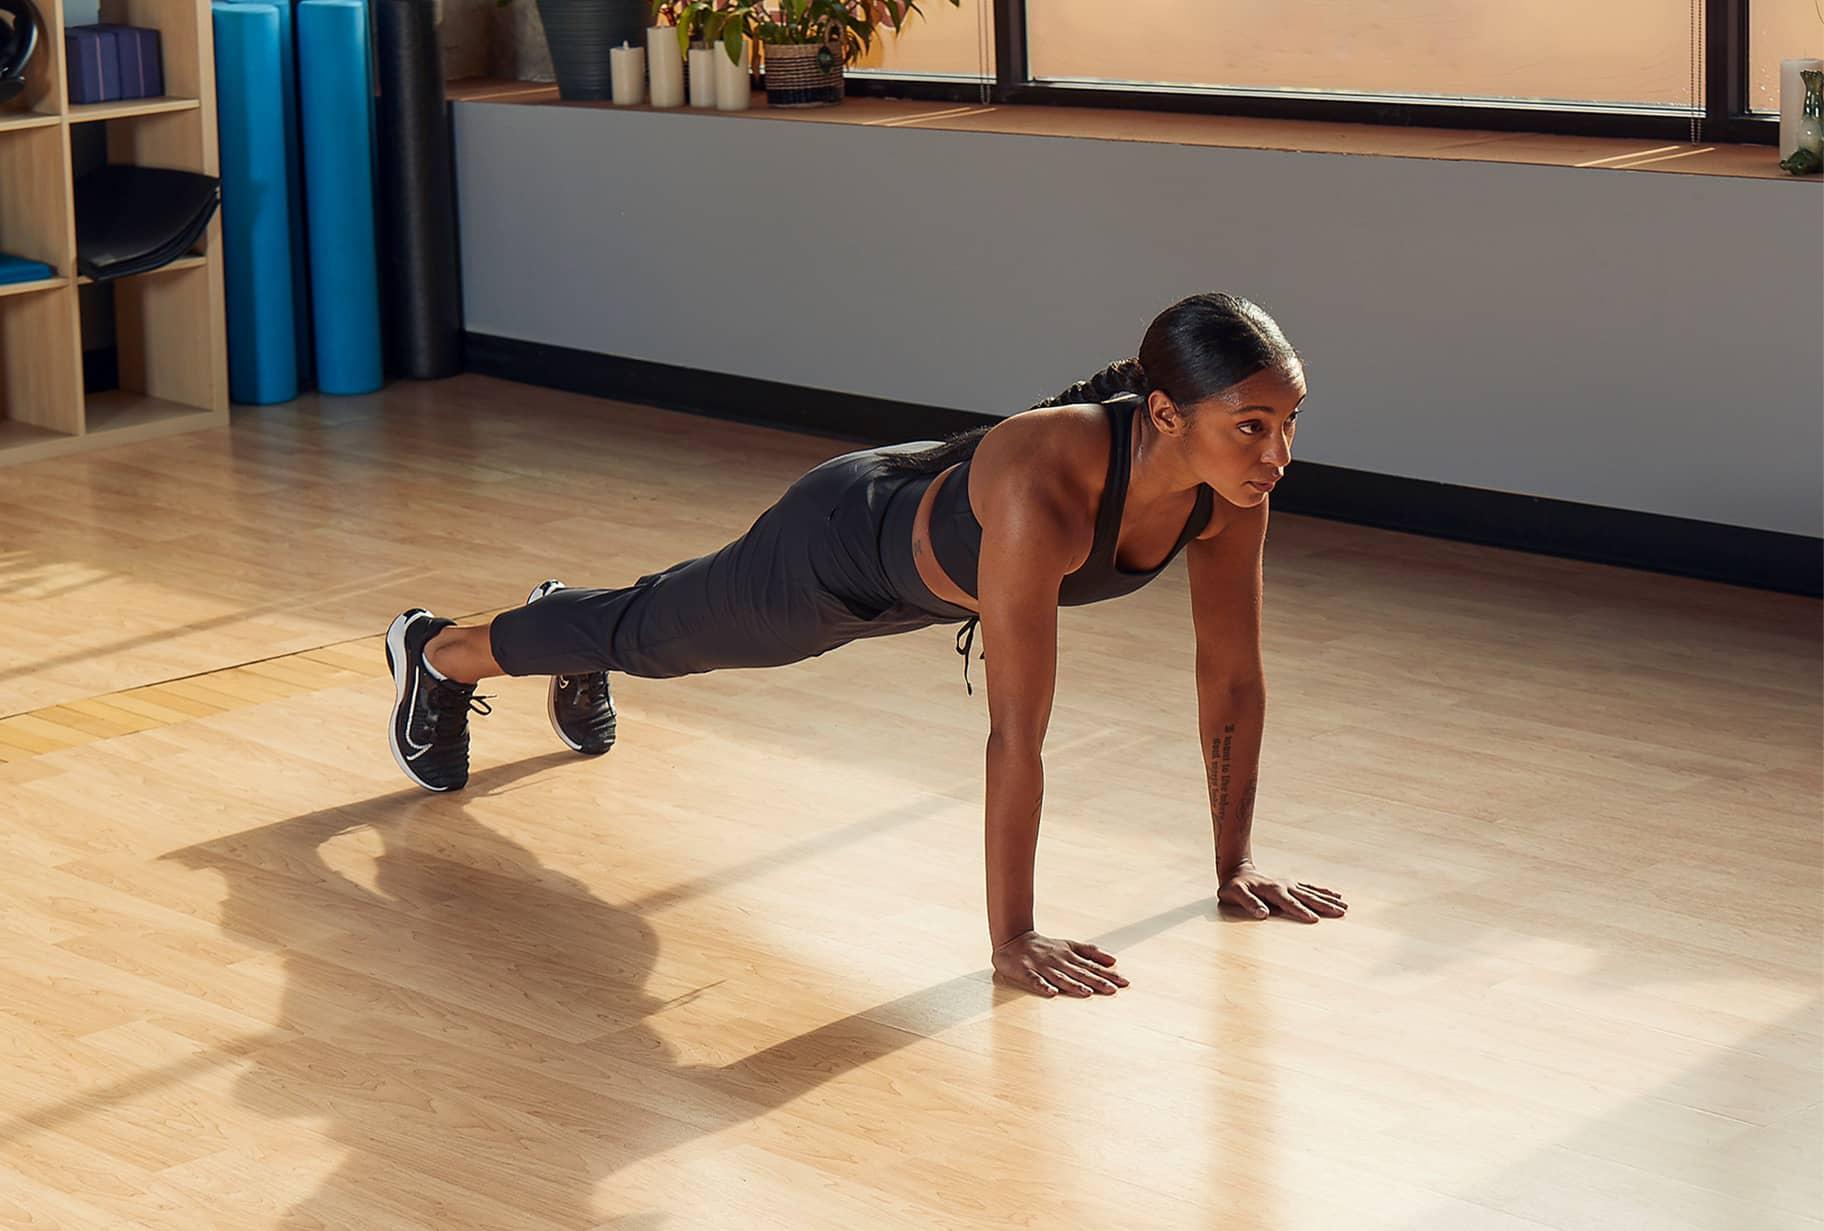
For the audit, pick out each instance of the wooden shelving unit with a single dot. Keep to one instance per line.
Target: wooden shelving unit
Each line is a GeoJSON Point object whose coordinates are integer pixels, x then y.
{"type": "Point", "coordinates": [170, 324]}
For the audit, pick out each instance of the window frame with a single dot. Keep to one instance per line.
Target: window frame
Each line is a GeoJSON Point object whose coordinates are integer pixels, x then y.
{"type": "Point", "coordinates": [1726, 118]}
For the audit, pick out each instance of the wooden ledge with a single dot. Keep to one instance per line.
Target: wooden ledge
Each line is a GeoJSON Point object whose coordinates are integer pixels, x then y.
{"type": "Point", "coordinates": [1233, 132]}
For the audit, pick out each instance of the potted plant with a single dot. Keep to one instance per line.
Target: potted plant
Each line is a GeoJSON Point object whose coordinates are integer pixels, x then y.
{"type": "Point", "coordinates": [804, 43]}
{"type": "Point", "coordinates": [580, 34]}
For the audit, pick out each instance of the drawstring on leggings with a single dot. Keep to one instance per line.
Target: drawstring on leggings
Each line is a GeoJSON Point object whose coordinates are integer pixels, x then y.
{"type": "Point", "coordinates": [963, 647]}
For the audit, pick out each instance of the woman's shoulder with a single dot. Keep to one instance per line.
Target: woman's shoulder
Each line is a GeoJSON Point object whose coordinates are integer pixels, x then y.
{"type": "Point", "coordinates": [1061, 441]}
{"type": "Point", "coordinates": [1050, 456]}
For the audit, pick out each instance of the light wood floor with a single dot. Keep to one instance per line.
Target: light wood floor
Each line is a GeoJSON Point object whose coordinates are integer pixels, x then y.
{"type": "Point", "coordinates": [734, 974]}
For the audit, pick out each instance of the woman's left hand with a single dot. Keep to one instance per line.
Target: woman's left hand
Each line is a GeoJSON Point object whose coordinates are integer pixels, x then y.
{"type": "Point", "coordinates": [1253, 892]}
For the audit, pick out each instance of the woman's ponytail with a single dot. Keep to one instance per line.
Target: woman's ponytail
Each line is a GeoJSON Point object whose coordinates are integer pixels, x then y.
{"type": "Point", "coordinates": [1122, 376]}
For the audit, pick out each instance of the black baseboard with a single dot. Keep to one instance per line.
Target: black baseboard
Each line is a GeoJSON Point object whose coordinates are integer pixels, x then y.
{"type": "Point", "coordinates": [1762, 559]}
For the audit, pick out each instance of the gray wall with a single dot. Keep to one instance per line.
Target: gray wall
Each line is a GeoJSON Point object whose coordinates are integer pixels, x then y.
{"type": "Point", "coordinates": [1625, 339]}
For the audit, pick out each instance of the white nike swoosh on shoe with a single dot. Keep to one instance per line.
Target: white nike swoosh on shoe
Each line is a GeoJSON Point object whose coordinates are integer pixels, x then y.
{"type": "Point", "coordinates": [416, 749]}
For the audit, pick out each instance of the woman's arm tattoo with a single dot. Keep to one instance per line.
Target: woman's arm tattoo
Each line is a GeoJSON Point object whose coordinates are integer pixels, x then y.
{"type": "Point", "coordinates": [1217, 771]}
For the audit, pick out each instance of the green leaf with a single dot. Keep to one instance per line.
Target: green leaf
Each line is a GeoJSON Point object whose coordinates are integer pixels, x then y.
{"type": "Point", "coordinates": [731, 42]}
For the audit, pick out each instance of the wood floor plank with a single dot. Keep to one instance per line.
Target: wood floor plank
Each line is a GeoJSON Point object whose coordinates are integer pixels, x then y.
{"type": "Point", "coordinates": [133, 718]}
{"type": "Point", "coordinates": [199, 693]}
{"type": "Point", "coordinates": [38, 735]}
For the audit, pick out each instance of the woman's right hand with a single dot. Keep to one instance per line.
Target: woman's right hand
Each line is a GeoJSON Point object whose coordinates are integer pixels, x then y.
{"type": "Point", "coordinates": [1046, 966]}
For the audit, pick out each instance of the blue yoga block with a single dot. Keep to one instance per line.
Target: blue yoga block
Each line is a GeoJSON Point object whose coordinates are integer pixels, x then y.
{"type": "Point", "coordinates": [93, 58]}
{"type": "Point", "coordinates": [336, 106]}
{"type": "Point", "coordinates": [142, 73]}
{"type": "Point", "coordinates": [256, 205]}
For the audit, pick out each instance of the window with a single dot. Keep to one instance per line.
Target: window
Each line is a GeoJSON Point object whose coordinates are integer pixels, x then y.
{"type": "Point", "coordinates": [1629, 53]}
{"type": "Point", "coordinates": [1780, 30]}
{"type": "Point", "coordinates": [945, 41]}
{"type": "Point", "coordinates": [1618, 68]}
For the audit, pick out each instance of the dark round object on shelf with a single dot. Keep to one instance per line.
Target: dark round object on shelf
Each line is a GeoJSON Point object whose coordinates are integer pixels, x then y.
{"type": "Point", "coordinates": [20, 29]}
{"type": "Point", "coordinates": [581, 33]}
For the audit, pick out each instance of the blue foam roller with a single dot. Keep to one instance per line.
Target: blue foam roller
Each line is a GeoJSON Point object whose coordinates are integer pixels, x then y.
{"type": "Point", "coordinates": [256, 206]}
{"type": "Point", "coordinates": [335, 106]}
{"type": "Point", "coordinates": [294, 159]}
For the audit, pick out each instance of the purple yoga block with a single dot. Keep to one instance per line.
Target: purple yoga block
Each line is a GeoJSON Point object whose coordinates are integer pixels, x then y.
{"type": "Point", "coordinates": [141, 70]}
{"type": "Point", "coordinates": [94, 61]}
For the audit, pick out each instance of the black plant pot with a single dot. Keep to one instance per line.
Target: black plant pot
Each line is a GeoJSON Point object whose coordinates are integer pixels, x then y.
{"type": "Point", "coordinates": [580, 34]}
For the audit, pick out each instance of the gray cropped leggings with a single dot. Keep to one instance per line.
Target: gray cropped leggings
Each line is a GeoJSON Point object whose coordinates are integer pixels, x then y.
{"type": "Point", "coordinates": [828, 564]}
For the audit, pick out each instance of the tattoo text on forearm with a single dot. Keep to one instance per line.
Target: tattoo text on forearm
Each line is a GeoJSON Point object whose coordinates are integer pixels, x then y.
{"type": "Point", "coordinates": [1219, 777]}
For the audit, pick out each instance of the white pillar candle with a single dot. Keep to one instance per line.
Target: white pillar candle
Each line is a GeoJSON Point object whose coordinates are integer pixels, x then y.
{"type": "Point", "coordinates": [665, 63]}
{"type": "Point", "coordinates": [734, 90]}
{"type": "Point", "coordinates": [1792, 101]}
{"type": "Point", "coordinates": [703, 75]}
{"type": "Point", "coordinates": [627, 74]}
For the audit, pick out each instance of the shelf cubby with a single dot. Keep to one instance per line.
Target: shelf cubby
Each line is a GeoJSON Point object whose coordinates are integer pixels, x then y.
{"type": "Point", "coordinates": [168, 324]}
{"type": "Point", "coordinates": [44, 76]}
{"type": "Point", "coordinates": [35, 220]}
{"type": "Point", "coordinates": [40, 369]}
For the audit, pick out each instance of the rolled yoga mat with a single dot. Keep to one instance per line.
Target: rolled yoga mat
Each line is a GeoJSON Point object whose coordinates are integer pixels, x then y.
{"type": "Point", "coordinates": [256, 210]}
{"type": "Point", "coordinates": [335, 105]}
{"type": "Point", "coordinates": [417, 195]}
{"type": "Point", "coordinates": [294, 163]}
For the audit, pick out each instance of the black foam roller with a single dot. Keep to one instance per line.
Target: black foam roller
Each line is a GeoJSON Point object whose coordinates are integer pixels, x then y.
{"type": "Point", "coordinates": [417, 195]}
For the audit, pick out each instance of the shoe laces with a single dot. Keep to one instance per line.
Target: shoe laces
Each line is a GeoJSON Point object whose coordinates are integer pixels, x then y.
{"type": "Point", "coordinates": [591, 689]}
{"type": "Point", "coordinates": [450, 706]}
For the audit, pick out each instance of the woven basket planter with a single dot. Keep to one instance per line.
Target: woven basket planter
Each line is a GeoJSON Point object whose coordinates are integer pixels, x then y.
{"type": "Point", "coordinates": [795, 79]}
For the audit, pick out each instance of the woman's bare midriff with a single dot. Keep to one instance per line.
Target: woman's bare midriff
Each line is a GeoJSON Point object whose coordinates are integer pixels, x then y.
{"type": "Point", "coordinates": [929, 571]}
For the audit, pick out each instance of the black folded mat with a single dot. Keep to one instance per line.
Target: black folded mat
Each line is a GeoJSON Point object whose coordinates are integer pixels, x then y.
{"type": "Point", "coordinates": [133, 219]}
{"type": "Point", "coordinates": [417, 195]}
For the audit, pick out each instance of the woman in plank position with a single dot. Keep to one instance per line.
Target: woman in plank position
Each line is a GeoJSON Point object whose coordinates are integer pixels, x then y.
{"type": "Point", "coordinates": [1086, 496]}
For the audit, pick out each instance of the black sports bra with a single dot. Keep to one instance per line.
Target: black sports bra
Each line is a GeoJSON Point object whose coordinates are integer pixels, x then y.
{"type": "Point", "coordinates": [956, 535]}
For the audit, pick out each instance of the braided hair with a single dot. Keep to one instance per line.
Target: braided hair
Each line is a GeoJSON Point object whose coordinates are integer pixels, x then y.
{"type": "Point", "coordinates": [1196, 348]}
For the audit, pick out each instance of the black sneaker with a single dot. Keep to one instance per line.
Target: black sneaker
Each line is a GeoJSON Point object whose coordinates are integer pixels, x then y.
{"type": "Point", "coordinates": [430, 729]}
{"type": "Point", "coordinates": [581, 707]}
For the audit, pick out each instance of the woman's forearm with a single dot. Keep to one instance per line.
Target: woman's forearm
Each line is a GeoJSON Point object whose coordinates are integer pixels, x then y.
{"type": "Point", "coordinates": [1232, 721]}
{"type": "Point", "coordinates": [1015, 790]}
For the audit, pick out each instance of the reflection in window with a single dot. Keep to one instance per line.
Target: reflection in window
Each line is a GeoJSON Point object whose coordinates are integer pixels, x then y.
{"type": "Point", "coordinates": [1780, 30]}
{"type": "Point", "coordinates": [1618, 52]}
{"type": "Point", "coordinates": [946, 40]}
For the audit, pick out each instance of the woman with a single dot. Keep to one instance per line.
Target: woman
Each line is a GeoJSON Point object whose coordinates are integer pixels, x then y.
{"type": "Point", "coordinates": [1085, 496]}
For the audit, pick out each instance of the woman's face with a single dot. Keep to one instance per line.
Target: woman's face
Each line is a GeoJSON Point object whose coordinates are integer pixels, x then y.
{"type": "Point", "coordinates": [1239, 441]}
